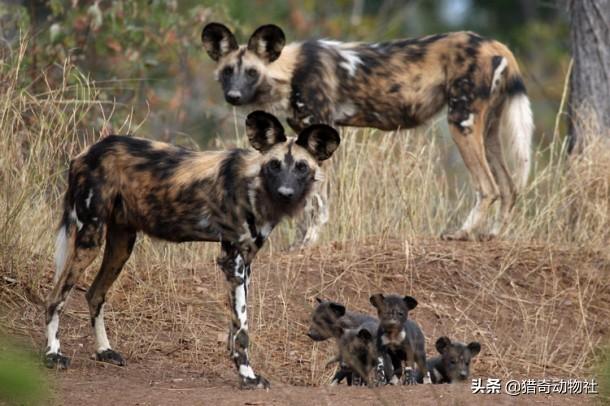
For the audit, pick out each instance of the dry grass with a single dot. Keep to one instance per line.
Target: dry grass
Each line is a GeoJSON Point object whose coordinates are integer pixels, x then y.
{"type": "Point", "coordinates": [538, 300]}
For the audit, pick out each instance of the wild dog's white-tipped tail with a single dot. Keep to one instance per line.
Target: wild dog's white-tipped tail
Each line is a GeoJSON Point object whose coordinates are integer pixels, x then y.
{"type": "Point", "coordinates": [61, 251]}
{"type": "Point", "coordinates": [518, 127]}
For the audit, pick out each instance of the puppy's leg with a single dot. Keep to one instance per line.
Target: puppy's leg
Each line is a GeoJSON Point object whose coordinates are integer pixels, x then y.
{"type": "Point", "coordinates": [237, 272]}
{"type": "Point", "coordinates": [119, 244]}
{"type": "Point", "coordinates": [409, 376]}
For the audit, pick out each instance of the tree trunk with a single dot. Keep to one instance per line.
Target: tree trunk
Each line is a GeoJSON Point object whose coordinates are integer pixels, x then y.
{"type": "Point", "coordinates": [589, 101]}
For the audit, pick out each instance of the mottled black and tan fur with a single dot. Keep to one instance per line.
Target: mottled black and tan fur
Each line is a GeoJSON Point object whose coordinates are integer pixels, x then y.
{"type": "Point", "coordinates": [124, 185]}
{"type": "Point", "coordinates": [393, 85]}
{"type": "Point", "coordinates": [453, 363]}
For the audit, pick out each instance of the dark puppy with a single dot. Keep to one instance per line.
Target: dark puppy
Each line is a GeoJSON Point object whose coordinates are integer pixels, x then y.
{"type": "Point", "coordinates": [331, 320]}
{"type": "Point", "coordinates": [358, 352]}
{"type": "Point", "coordinates": [399, 339]}
{"type": "Point", "coordinates": [453, 365]}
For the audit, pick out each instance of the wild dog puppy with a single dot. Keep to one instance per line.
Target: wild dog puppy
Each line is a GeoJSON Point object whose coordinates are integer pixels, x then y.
{"type": "Point", "coordinates": [399, 339]}
{"type": "Point", "coordinates": [358, 352]}
{"type": "Point", "coordinates": [453, 365]}
{"type": "Point", "coordinates": [393, 85]}
{"type": "Point", "coordinates": [331, 320]}
{"type": "Point", "coordinates": [122, 185]}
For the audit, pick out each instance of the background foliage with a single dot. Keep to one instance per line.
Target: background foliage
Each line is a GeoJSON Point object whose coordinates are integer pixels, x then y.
{"type": "Point", "coordinates": [146, 54]}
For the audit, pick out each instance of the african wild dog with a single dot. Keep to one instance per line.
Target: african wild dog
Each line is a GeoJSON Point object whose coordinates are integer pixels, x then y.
{"type": "Point", "coordinates": [399, 339]}
{"type": "Point", "coordinates": [358, 353]}
{"type": "Point", "coordinates": [453, 365]}
{"type": "Point", "coordinates": [393, 85]}
{"type": "Point", "coordinates": [122, 185]}
{"type": "Point", "coordinates": [332, 320]}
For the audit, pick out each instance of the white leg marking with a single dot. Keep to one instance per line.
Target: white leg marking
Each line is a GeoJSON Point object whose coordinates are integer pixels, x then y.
{"type": "Point", "coordinates": [52, 328]}
{"type": "Point", "coordinates": [394, 380]}
{"type": "Point", "coordinates": [474, 215]}
{"type": "Point", "coordinates": [497, 73]}
{"type": "Point", "coordinates": [61, 252]}
{"type": "Point", "coordinates": [101, 338]}
{"type": "Point", "coordinates": [469, 122]}
{"type": "Point", "coordinates": [427, 379]}
{"type": "Point", "coordinates": [247, 371]}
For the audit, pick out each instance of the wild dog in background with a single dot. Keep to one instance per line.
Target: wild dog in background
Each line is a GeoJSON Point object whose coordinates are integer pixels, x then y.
{"type": "Point", "coordinates": [392, 85]}
{"type": "Point", "coordinates": [122, 185]}
{"type": "Point", "coordinates": [331, 320]}
{"type": "Point", "coordinates": [399, 339]}
{"type": "Point", "coordinates": [453, 364]}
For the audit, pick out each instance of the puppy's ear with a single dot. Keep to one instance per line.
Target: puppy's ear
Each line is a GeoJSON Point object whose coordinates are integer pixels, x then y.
{"type": "Point", "coordinates": [319, 140]}
{"type": "Point", "coordinates": [410, 302]}
{"type": "Point", "coordinates": [365, 334]}
{"type": "Point", "coordinates": [377, 300]}
{"type": "Point", "coordinates": [267, 42]}
{"type": "Point", "coordinates": [338, 309]}
{"type": "Point", "coordinates": [264, 130]}
{"type": "Point", "coordinates": [442, 344]}
{"type": "Point", "coordinates": [474, 348]}
{"type": "Point", "coordinates": [218, 40]}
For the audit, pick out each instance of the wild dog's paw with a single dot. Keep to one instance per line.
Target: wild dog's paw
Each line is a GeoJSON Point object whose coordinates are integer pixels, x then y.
{"type": "Point", "coordinates": [258, 382]}
{"type": "Point", "coordinates": [427, 379]}
{"type": "Point", "coordinates": [111, 357]}
{"type": "Point", "coordinates": [56, 360]}
{"type": "Point", "coordinates": [408, 377]}
{"type": "Point", "coordinates": [380, 378]}
{"type": "Point", "coordinates": [357, 379]}
{"type": "Point", "coordinates": [459, 235]}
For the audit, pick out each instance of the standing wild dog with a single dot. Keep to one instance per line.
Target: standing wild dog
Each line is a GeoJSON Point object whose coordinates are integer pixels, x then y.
{"type": "Point", "coordinates": [122, 185]}
{"type": "Point", "coordinates": [393, 85]}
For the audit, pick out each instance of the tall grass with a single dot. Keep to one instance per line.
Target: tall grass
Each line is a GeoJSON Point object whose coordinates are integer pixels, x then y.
{"type": "Point", "coordinates": [382, 184]}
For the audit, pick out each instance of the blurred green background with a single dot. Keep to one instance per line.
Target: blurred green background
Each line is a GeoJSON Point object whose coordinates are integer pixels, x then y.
{"type": "Point", "coordinates": [147, 56]}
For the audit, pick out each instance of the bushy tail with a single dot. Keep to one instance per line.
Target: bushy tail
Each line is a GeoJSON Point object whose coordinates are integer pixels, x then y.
{"type": "Point", "coordinates": [66, 235]}
{"type": "Point", "coordinates": [518, 128]}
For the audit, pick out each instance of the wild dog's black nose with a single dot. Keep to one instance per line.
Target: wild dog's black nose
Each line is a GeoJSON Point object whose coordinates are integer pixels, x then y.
{"type": "Point", "coordinates": [286, 192]}
{"type": "Point", "coordinates": [233, 96]}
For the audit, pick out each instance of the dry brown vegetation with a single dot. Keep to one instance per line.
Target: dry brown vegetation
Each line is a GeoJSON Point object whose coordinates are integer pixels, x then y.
{"type": "Point", "coordinates": [538, 299]}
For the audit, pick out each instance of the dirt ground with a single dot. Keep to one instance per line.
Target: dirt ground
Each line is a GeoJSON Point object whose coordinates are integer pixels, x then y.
{"type": "Point", "coordinates": [161, 385]}
{"type": "Point", "coordinates": [538, 311]}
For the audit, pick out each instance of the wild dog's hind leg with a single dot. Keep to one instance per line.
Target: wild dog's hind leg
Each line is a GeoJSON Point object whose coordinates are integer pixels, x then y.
{"type": "Point", "coordinates": [468, 134]}
{"type": "Point", "coordinates": [508, 192]}
{"type": "Point", "coordinates": [237, 271]}
{"type": "Point", "coordinates": [77, 246]}
{"type": "Point", "coordinates": [314, 216]}
{"type": "Point", "coordinates": [119, 244]}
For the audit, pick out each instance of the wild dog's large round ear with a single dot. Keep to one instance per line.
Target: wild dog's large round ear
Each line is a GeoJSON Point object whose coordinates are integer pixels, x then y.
{"type": "Point", "coordinates": [264, 130]}
{"type": "Point", "coordinates": [442, 343]}
{"type": "Point", "coordinates": [267, 42]}
{"type": "Point", "coordinates": [410, 302]}
{"type": "Point", "coordinates": [338, 309]}
{"type": "Point", "coordinates": [320, 140]}
{"type": "Point", "coordinates": [474, 348]}
{"type": "Point", "coordinates": [377, 300]}
{"type": "Point", "coordinates": [218, 40]}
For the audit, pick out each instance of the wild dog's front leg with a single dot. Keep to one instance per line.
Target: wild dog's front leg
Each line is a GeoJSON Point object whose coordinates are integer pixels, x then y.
{"type": "Point", "coordinates": [237, 272]}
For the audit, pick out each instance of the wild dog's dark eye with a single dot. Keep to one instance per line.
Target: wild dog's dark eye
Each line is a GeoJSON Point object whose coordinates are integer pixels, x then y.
{"type": "Point", "coordinates": [275, 165]}
{"type": "Point", "coordinates": [252, 73]}
{"type": "Point", "coordinates": [227, 71]}
{"type": "Point", "coordinates": [301, 167]}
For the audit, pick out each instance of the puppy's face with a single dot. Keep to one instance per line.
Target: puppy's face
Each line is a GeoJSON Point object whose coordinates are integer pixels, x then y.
{"type": "Point", "coordinates": [456, 357]}
{"type": "Point", "coordinates": [359, 351]}
{"type": "Point", "coordinates": [325, 320]}
{"type": "Point", "coordinates": [392, 310]}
